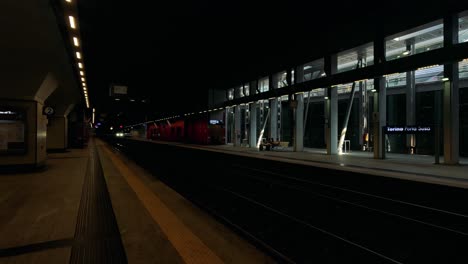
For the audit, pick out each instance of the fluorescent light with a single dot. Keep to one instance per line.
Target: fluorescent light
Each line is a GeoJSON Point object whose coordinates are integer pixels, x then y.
{"type": "Point", "coordinates": [406, 52]}
{"type": "Point", "coordinates": [78, 55]}
{"type": "Point", "coordinates": [396, 39]}
{"type": "Point", "coordinates": [81, 73]}
{"type": "Point", "coordinates": [445, 79]}
{"type": "Point", "coordinates": [72, 21]}
{"type": "Point", "coordinates": [117, 99]}
{"type": "Point", "coordinates": [323, 74]}
{"type": "Point", "coordinates": [80, 65]}
{"type": "Point", "coordinates": [373, 90]}
{"type": "Point", "coordinates": [69, 1]}
{"type": "Point", "coordinates": [326, 98]}
{"type": "Point", "coordinates": [82, 79]}
{"type": "Point", "coordinates": [75, 41]}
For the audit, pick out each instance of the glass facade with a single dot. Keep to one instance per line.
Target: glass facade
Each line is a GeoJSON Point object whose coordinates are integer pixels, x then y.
{"type": "Point", "coordinates": [280, 80]}
{"type": "Point", "coordinates": [463, 69]}
{"type": "Point", "coordinates": [263, 84]}
{"type": "Point", "coordinates": [246, 89]}
{"type": "Point", "coordinates": [463, 28]}
{"type": "Point", "coordinates": [230, 94]}
{"type": "Point", "coordinates": [413, 98]}
{"type": "Point", "coordinates": [417, 40]}
{"type": "Point", "coordinates": [310, 71]}
{"type": "Point", "coordinates": [349, 59]}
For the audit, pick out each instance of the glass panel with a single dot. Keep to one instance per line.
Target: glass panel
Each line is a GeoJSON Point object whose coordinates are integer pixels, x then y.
{"type": "Point", "coordinates": [318, 92]}
{"type": "Point", "coordinates": [246, 89]}
{"type": "Point", "coordinates": [463, 69]}
{"type": "Point", "coordinates": [429, 74]}
{"type": "Point", "coordinates": [231, 94]}
{"type": "Point", "coordinates": [396, 80]}
{"type": "Point", "coordinates": [239, 92]}
{"type": "Point", "coordinates": [463, 29]}
{"type": "Point", "coordinates": [348, 60]}
{"type": "Point", "coordinates": [263, 84]}
{"type": "Point", "coordinates": [414, 41]}
{"type": "Point", "coordinates": [344, 88]}
{"type": "Point", "coordinates": [279, 80]}
{"type": "Point", "coordinates": [311, 71]}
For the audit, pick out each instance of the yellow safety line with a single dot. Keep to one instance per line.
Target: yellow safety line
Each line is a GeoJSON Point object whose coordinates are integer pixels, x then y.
{"type": "Point", "coordinates": [189, 246]}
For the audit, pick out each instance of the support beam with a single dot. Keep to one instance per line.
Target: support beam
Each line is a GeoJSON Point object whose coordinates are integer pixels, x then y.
{"type": "Point", "coordinates": [265, 122]}
{"type": "Point", "coordinates": [331, 120]}
{"type": "Point", "coordinates": [363, 113]}
{"type": "Point", "coordinates": [226, 125]}
{"type": "Point", "coordinates": [345, 121]}
{"type": "Point", "coordinates": [237, 126]}
{"type": "Point", "coordinates": [274, 118]}
{"type": "Point", "coordinates": [331, 107]}
{"type": "Point", "coordinates": [410, 101]}
{"type": "Point", "coordinates": [379, 116]}
{"type": "Point", "coordinates": [253, 125]}
{"type": "Point", "coordinates": [299, 124]}
{"type": "Point", "coordinates": [451, 110]}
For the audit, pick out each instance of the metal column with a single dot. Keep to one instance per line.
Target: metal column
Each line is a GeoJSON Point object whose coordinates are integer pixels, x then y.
{"type": "Point", "coordinates": [331, 120]}
{"type": "Point", "coordinates": [331, 108]}
{"type": "Point", "coordinates": [379, 116]}
{"type": "Point", "coordinates": [237, 126]}
{"type": "Point", "coordinates": [410, 100]}
{"type": "Point", "coordinates": [451, 96]}
{"type": "Point", "coordinates": [274, 118]}
{"type": "Point", "coordinates": [299, 124]}
{"type": "Point", "coordinates": [253, 125]}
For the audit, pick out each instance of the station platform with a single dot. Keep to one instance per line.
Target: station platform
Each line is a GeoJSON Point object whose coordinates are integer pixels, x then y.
{"type": "Point", "coordinates": [95, 206]}
{"type": "Point", "coordinates": [420, 168]}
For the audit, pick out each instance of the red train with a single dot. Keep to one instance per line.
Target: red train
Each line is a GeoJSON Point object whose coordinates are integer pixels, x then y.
{"type": "Point", "coordinates": [192, 129]}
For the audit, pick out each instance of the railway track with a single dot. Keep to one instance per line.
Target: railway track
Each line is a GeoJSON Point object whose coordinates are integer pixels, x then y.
{"type": "Point", "coordinates": [300, 219]}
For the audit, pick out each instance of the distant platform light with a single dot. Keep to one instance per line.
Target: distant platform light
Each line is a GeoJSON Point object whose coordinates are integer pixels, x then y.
{"type": "Point", "coordinates": [82, 79]}
{"type": "Point", "coordinates": [81, 73]}
{"type": "Point", "coordinates": [75, 41]}
{"type": "Point", "coordinates": [72, 22]}
{"type": "Point", "coordinates": [80, 65]}
{"type": "Point", "coordinates": [78, 55]}
{"type": "Point", "coordinates": [69, 1]}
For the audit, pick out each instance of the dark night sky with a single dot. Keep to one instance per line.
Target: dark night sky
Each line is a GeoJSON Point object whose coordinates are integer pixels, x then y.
{"type": "Point", "coordinates": [173, 51]}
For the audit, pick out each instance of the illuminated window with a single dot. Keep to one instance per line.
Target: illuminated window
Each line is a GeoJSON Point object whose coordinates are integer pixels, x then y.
{"type": "Point", "coordinates": [417, 40]}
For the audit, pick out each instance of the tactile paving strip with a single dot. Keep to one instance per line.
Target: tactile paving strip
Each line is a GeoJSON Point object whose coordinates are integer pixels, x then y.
{"type": "Point", "coordinates": [97, 236]}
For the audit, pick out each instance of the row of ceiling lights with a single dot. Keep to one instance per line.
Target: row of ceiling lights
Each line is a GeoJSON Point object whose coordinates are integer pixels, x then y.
{"type": "Point", "coordinates": [74, 33]}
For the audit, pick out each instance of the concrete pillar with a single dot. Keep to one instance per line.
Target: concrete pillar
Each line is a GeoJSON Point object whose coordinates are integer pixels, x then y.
{"type": "Point", "coordinates": [299, 124]}
{"type": "Point", "coordinates": [253, 125]}
{"type": "Point", "coordinates": [379, 116]}
{"type": "Point", "coordinates": [274, 118]}
{"type": "Point", "coordinates": [28, 125]}
{"type": "Point", "coordinates": [331, 108]}
{"type": "Point", "coordinates": [57, 133]}
{"type": "Point", "coordinates": [237, 126]}
{"type": "Point", "coordinates": [451, 96]}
